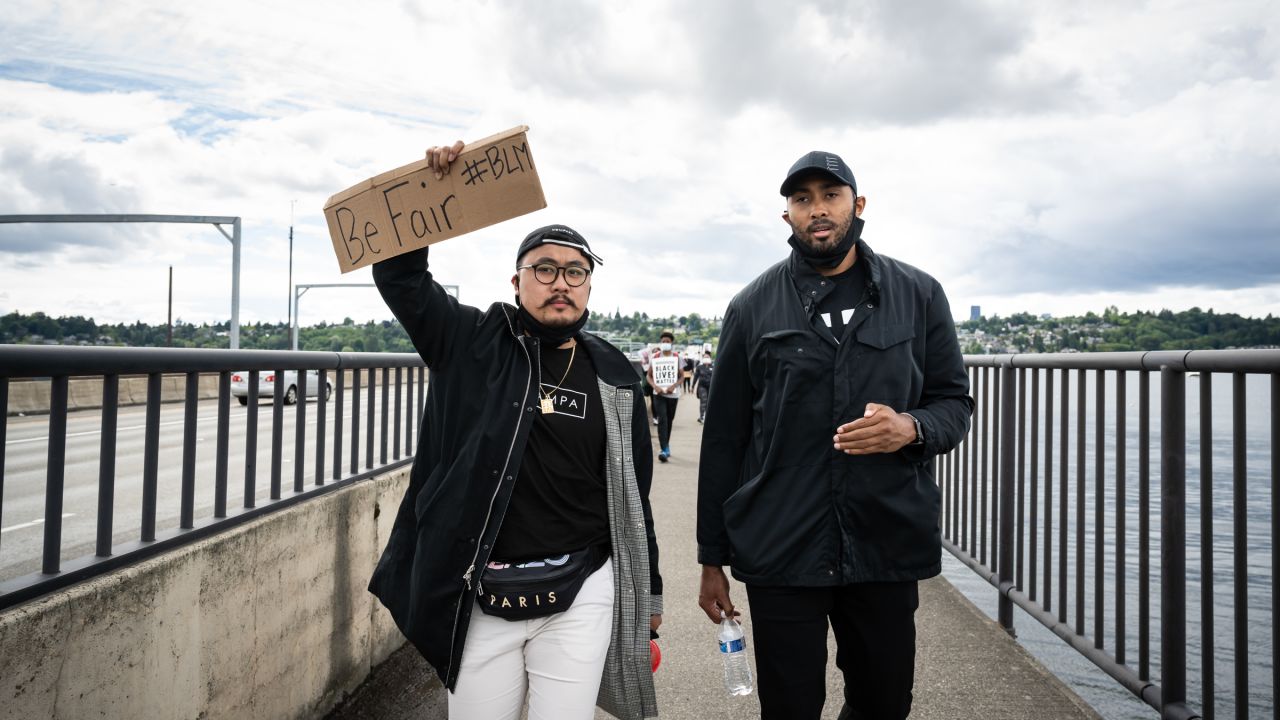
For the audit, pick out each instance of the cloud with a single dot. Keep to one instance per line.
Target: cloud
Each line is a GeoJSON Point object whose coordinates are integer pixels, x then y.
{"type": "Point", "coordinates": [826, 63]}
{"type": "Point", "coordinates": [1018, 152]}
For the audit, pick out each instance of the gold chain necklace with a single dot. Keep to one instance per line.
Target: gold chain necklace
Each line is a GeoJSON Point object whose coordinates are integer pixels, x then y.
{"type": "Point", "coordinates": [548, 404]}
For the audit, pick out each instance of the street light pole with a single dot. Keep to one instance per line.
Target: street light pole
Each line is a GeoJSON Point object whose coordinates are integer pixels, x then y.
{"type": "Point", "coordinates": [289, 322]}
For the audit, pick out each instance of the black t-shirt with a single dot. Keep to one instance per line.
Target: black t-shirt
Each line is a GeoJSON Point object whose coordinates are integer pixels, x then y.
{"type": "Point", "coordinates": [837, 308]}
{"type": "Point", "coordinates": [560, 503]}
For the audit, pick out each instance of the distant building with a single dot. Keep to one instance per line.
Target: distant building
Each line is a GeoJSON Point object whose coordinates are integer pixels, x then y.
{"type": "Point", "coordinates": [975, 312]}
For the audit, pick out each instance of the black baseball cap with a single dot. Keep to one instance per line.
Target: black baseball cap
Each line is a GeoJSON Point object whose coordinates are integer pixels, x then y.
{"type": "Point", "coordinates": [558, 235]}
{"type": "Point", "coordinates": [829, 163]}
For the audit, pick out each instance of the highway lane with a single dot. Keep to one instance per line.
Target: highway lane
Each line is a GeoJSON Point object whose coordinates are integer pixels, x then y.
{"type": "Point", "coordinates": [22, 515]}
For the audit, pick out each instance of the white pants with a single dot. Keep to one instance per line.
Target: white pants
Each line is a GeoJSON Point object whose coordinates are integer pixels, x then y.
{"type": "Point", "coordinates": [558, 659]}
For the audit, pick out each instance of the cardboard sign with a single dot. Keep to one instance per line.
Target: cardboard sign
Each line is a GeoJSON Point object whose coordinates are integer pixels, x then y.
{"type": "Point", "coordinates": [404, 209]}
{"type": "Point", "coordinates": [666, 370]}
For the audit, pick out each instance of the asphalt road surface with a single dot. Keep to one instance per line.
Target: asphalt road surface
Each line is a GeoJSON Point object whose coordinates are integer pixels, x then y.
{"type": "Point", "coordinates": [22, 513]}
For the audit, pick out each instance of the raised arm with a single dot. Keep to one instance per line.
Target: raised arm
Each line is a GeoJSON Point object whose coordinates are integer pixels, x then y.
{"type": "Point", "coordinates": [434, 320]}
{"type": "Point", "coordinates": [436, 323]}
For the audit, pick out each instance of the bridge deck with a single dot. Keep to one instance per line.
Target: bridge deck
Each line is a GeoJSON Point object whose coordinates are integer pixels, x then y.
{"type": "Point", "coordinates": [966, 666]}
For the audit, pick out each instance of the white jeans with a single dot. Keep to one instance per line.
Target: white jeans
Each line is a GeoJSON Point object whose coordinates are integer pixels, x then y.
{"type": "Point", "coordinates": [558, 659]}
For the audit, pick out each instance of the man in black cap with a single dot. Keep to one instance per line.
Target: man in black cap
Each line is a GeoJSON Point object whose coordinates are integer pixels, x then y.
{"type": "Point", "coordinates": [523, 558]}
{"type": "Point", "coordinates": [838, 380]}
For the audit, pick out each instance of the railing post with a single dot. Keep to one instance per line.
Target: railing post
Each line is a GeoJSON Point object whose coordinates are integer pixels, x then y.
{"type": "Point", "coordinates": [190, 412]}
{"type": "Point", "coordinates": [151, 457]}
{"type": "Point", "coordinates": [55, 474]}
{"type": "Point", "coordinates": [372, 378]}
{"type": "Point", "coordinates": [4, 430]}
{"type": "Point", "coordinates": [251, 443]}
{"type": "Point", "coordinates": [107, 463]}
{"type": "Point", "coordinates": [277, 432]}
{"type": "Point", "coordinates": [1006, 479]}
{"type": "Point", "coordinates": [222, 454]}
{"type": "Point", "coordinates": [355, 420]}
{"type": "Point", "coordinates": [322, 409]}
{"type": "Point", "coordinates": [300, 433]}
{"type": "Point", "coordinates": [337, 422]}
{"type": "Point", "coordinates": [1173, 549]}
{"type": "Point", "coordinates": [1275, 527]}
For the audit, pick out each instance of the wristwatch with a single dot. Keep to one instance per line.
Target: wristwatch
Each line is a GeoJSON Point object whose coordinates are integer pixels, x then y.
{"type": "Point", "coordinates": [919, 432]}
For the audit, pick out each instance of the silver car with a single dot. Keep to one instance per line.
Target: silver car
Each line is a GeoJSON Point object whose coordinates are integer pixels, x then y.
{"type": "Point", "coordinates": [267, 385]}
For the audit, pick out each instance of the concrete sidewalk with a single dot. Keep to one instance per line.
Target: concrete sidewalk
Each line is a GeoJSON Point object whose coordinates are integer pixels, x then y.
{"type": "Point", "coordinates": [966, 666]}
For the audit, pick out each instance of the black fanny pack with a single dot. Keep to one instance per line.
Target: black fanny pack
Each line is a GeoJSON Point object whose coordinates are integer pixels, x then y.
{"type": "Point", "coordinates": [536, 588]}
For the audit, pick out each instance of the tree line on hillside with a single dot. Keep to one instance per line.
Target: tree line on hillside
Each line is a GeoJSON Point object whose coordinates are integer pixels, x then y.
{"type": "Point", "coordinates": [1193, 329]}
{"type": "Point", "coordinates": [1114, 331]}
{"type": "Point", "coordinates": [347, 336]}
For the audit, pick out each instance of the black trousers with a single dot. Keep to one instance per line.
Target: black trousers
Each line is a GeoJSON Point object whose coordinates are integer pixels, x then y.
{"type": "Point", "coordinates": [664, 407]}
{"type": "Point", "coordinates": [875, 631]}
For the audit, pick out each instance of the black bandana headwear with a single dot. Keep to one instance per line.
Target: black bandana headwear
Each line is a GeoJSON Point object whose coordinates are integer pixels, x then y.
{"type": "Point", "coordinates": [558, 335]}
{"type": "Point", "coordinates": [833, 256]}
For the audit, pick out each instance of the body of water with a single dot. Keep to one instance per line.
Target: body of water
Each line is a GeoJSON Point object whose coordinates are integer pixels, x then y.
{"type": "Point", "coordinates": [1105, 694]}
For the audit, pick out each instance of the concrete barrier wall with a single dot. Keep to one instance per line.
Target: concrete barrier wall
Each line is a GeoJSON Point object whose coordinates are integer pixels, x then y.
{"type": "Point", "coordinates": [31, 397]}
{"type": "Point", "coordinates": [268, 620]}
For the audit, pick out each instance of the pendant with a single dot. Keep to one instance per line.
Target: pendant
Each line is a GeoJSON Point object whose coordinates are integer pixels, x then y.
{"type": "Point", "coordinates": [548, 406]}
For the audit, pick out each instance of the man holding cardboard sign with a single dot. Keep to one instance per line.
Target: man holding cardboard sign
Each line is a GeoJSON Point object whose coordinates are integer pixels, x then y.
{"type": "Point", "coordinates": [523, 558]}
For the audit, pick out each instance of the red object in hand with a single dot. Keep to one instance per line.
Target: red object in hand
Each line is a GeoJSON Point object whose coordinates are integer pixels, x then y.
{"type": "Point", "coordinates": [655, 655]}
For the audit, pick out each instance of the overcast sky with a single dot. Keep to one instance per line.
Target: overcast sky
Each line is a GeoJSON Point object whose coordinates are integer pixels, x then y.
{"type": "Point", "coordinates": [1054, 157]}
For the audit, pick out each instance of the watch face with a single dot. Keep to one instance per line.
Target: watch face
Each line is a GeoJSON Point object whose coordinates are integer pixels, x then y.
{"type": "Point", "coordinates": [919, 432]}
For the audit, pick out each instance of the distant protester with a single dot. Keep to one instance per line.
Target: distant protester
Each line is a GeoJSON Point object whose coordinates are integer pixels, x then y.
{"type": "Point", "coordinates": [838, 380]}
{"type": "Point", "coordinates": [664, 376]}
{"type": "Point", "coordinates": [702, 384]}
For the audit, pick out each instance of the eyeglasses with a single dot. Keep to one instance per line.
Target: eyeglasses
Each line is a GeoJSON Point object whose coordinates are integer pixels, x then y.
{"type": "Point", "coordinates": [546, 273]}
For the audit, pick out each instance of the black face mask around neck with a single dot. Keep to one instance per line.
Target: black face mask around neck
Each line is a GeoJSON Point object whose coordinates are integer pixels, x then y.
{"type": "Point", "coordinates": [558, 335]}
{"type": "Point", "coordinates": [833, 256]}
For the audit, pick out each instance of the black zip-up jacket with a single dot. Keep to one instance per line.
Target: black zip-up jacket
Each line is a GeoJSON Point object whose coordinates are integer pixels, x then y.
{"type": "Point", "coordinates": [479, 409]}
{"type": "Point", "coordinates": [776, 501]}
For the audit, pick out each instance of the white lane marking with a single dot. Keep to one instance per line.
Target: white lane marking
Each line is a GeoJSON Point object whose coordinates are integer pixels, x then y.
{"type": "Point", "coordinates": [33, 523]}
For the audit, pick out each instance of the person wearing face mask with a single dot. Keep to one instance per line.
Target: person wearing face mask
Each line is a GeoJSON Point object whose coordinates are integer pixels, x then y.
{"type": "Point", "coordinates": [702, 384]}
{"type": "Point", "coordinates": [523, 560]}
{"type": "Point", "coordinates": [664, 376]}
{"type": "Point", "coordinates": [838, 381]}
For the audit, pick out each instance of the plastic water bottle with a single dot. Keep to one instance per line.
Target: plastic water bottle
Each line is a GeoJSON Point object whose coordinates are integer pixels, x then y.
{"type": "Point", "coordinates": [733, 650]}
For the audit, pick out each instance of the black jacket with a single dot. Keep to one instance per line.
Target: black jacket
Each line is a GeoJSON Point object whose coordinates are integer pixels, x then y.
{"type": "Point", "coordinates": [775, 500]}
{"type": "Point", "coordinates": [479, 409]}
{"type": "Point", "coordinates": [702, 377]}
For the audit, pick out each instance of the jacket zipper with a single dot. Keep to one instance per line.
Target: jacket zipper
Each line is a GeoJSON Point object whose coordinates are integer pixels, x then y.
{"type": "Point", "coordinates": [466, 577]}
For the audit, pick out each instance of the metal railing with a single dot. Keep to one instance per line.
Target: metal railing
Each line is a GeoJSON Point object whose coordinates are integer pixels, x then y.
{"type": "Point", "coordinates": [399, 380]}
{"type": "Point", "coordinates": [1030, 532]}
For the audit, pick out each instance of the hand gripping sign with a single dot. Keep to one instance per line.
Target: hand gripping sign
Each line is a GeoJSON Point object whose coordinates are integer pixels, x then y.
{"type": "Point", "coordinates": [407, 208]}
{"type": "Point", "coordinates": [666, 370]}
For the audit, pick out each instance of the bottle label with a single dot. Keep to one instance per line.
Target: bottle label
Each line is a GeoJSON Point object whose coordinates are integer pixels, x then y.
{"type": "Point", "coordinates": [733, 646]}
